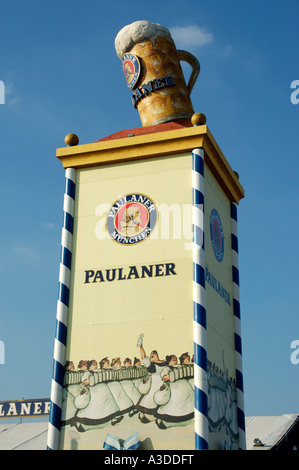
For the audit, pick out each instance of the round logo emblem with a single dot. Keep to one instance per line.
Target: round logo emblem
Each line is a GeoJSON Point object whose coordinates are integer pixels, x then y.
{"type": "Point", "coordinates": [131, 219]}
{"type": "Point", "coordinates": [217, 237]}
{"type": "Point", "coordinates": [131, 69]}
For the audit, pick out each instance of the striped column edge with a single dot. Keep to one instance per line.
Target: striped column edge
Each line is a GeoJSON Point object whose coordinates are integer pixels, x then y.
{"type": "Point", "coordinates": [62, 311]}
{"type": "Point", "coordinates": [199, 304]}
{"type": "Point", "coordinates": [237, 321]}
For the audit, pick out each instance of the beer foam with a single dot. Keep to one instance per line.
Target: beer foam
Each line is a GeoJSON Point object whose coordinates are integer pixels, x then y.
{"type": "Point", "coordinates": [138, 32]}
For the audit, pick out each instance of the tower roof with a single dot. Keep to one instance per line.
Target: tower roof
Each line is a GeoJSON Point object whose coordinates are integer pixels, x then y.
{"type": "Point", "coordinates": [167, 126]}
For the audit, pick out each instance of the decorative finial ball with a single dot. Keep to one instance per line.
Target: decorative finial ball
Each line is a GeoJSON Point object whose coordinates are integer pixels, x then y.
{"type": "Point", "coordinates": [71, 139]}
{"type": "Point", "coordinates": [198, 119]}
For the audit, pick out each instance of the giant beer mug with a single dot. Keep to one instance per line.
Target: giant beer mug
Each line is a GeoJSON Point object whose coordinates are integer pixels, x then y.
{"type": "Point", "coordinates": [151, 64]}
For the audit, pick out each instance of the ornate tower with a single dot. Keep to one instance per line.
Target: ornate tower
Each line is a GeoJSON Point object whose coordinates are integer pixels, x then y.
{"type": "Point", "coordinates": [148, 345]}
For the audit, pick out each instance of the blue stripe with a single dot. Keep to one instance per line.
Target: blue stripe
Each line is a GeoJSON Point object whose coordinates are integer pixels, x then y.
{"type": "Point", "coordinates": [68, 222]}
{"type": "Point", "coordinates": [64, 294]}
{"type": "Point", "coordinates": [237, 312]}
{"type": "Point", "coordinates": [199, 274]}
{"type": "Point", "coordinates": [200, 401]}
{"type": "Point", "coordinates": [238, 343]}
{"type": "Point", "coordinates": [235, 243]}
{"type": "Point", "coordinates": [239, 380]}
{"type": "Point", "coordinates": [199, 314]}
{"type": "Point", "coordinates": [70, 188]}
{"type": "Point", "coordinates": [66, 257]}
{"type": "Point", "coordinates": [235, 275]}
{"type": "Point", "coordinates": [233, 212]}
{"type": "Point", "coordinates": [200, 356]}
{"type": "Point", "coordinates": [198, 164]}
{"type": "Point", "coordinates": [200, 443]}
{"type": "Point", "coordinates": [61, 331]}
{"type": "Point", "coordinates": [241, 419]}
{"type": "Point", "coordinates": [198, 198]}
{"type": "Point", "coordinates": [58, 372]}
{"type": "Point", "coordinates": [55, 415]}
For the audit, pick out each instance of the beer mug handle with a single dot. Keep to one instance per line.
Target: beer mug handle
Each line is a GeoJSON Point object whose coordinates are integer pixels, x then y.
{"type": "Point", "coordinates": [193, 62]}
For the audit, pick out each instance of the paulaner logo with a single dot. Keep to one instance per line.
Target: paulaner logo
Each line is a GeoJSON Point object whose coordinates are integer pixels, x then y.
{"type": "Point", "coordinates": [131, 219]}
{"type": "Point", "coordinates": [151, 86]}
{"type": "Point", "coordinates": [131, 69]}
{"type": "Point", "coordinates": [217, 238]}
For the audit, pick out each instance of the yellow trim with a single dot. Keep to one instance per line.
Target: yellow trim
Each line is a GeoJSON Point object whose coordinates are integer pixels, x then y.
{"type": "Point", "coordinates": [156, 145]}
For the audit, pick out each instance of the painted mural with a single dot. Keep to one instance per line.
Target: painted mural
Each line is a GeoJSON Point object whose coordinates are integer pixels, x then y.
{"type": "Point", "coordinates": [222, 406]}
{"type": "Point", "coordinates": [146, 389]}
{"type": "Point", "coordinates": [153, 389]}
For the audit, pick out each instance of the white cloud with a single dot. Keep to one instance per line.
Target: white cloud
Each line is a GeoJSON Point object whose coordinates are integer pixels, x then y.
{"type": "Point", "coordinates": [49, 225]}
{"type": "Point", "coordinates": [11, 95]}
{"type": "Point", "coordinates": [28, 252]}
{"type": "Point", "coordinates": [191, 36]}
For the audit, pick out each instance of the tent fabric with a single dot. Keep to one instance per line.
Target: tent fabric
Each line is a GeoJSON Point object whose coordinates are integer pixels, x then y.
{"type": "Point", "coordinates": [270, 430]}
{"type": "Point", "coordinates": [23, 436]}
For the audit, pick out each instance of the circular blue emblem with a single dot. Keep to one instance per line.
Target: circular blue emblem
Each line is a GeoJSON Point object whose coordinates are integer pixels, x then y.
{"type": "Point", "coordinates": [217, 238]}
{"type": "Point", "coordinates": [131, 219]}
{"type": "Point", "coordinates": [131, 69]}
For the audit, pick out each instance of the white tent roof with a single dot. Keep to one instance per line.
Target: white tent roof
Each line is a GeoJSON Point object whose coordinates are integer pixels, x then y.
{"type": "Point", "coordinates": [23, 436]}
{"type": "Point", "coordinates": [33, 435]}
{"type": "Point", "coordinates": [268, 429]}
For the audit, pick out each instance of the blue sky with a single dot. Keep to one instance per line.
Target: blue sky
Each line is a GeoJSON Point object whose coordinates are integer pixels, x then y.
{"type": "Point", "coordinates": [62, 75]}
